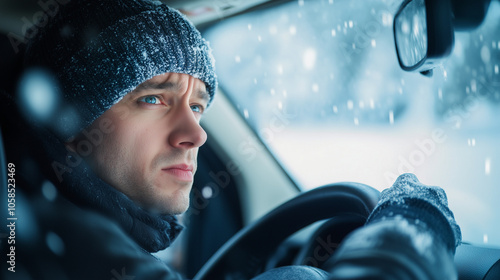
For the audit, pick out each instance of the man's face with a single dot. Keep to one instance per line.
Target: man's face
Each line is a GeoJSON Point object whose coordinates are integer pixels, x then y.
{"type": "Point", "coordinates": [150, 154]}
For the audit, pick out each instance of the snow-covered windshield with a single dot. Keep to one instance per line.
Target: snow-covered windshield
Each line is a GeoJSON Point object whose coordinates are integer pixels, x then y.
{"type": "Point", "coordinates": [319, 82]}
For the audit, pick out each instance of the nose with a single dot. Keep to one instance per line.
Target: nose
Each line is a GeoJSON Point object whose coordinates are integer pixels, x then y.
{"type": "Point", "coordinates": [186, 132]}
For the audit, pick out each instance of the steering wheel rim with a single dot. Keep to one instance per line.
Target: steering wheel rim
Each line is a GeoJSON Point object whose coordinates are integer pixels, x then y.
{"type": "Point", "coordinates": [245, 254]}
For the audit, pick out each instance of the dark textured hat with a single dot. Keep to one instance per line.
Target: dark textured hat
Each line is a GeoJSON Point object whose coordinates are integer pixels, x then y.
{"type": "Point", "coordinates": [99, 50]}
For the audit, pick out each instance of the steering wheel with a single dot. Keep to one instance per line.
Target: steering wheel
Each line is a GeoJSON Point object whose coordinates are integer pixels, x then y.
{"type": "Point", "coordinates": [244, 256]}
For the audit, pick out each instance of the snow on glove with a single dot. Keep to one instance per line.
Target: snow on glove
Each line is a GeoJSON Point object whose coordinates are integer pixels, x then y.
{"type": "Point", "coordinates": [411, 200]}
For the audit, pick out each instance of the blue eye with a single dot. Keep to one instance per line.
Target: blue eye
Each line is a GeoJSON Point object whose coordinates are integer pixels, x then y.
{"type": "Point", "coordinates": [197, 108]}
{"type": "Point", "coordinates": [150, 99]}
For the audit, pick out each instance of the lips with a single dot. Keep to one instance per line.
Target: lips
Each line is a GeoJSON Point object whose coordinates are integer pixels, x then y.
{"type": "Point", "coordinates": [182, 172]}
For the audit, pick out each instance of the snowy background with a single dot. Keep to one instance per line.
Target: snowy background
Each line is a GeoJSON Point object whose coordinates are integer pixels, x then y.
{"type": "Point", "coordinates": [320, 83]}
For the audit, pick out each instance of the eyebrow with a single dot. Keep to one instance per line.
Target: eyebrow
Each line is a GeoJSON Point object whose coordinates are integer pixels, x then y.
{"type": "Point", "coordinates": [150, 85]}
{"type": "Point", "coordinates": [203, 95]}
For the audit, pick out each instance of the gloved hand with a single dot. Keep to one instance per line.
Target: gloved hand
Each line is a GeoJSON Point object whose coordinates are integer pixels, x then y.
{"type": "Point", "coordinates": [411, 234]}
{"type": "Point", "coordinates": [410, 199]}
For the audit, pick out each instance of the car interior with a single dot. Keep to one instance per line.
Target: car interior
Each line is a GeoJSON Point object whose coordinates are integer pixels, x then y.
{"type": "Point", "coordinates": [321, 104]}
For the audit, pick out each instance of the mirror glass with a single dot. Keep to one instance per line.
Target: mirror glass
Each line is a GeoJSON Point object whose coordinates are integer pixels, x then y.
{"type": "Point", "coordinates": [410, 27]}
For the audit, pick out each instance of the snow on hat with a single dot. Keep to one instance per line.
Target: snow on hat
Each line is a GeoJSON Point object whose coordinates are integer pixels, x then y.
{"type": "Point", "coordinates": [99, 50]}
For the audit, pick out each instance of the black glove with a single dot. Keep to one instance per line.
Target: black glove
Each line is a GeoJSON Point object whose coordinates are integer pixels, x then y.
{"type": "Point", "coordinates": [411, 200]}
{"type": "Point", "coordinates": [411, 234]}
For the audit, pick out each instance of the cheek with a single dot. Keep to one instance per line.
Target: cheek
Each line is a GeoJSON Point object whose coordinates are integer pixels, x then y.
{"type": "Point", "coordinates": [127, 152]}
{"type": "Point", "coordinates": [132, 138]}
{"type": "Point", "coordinates": [138, 145]}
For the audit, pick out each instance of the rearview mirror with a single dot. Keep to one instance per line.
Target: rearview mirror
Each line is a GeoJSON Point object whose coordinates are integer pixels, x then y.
{"type": "Point", "coordinates": [423, 33]}
{"type": "Point", "coordinates": [424, 29]}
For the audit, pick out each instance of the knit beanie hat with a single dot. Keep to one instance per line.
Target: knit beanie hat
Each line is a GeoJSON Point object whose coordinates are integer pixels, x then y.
{"type": "Point", "coordinates": [99, 50]}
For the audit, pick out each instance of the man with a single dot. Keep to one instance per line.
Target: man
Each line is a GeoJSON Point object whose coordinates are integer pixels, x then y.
{"type": "Point", "coordinates": [129, 81]}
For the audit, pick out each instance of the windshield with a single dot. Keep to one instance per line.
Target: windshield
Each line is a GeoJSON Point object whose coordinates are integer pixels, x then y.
{"type": "Point", "coordinates": [319, 82]}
